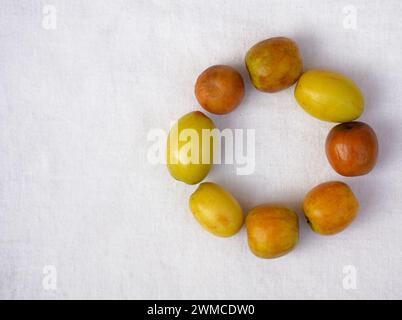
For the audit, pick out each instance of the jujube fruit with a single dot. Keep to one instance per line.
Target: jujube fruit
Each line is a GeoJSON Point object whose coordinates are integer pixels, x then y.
{"type": "Point", "coordinates": [352, 148]}
{"type": "Point", "coordinates": [330, 207]}
{"type": "Point", "coordinates": [272, 230]}
{"type": "Point", "coordinates": [274, 64]}
{"type": "Point", "coordinates": [216, 210]}
{"type": "Point", "coordinates": [329, 96]}
{"type": "Point", "coordinates": [219, 89]}
{"type": "Point", "coordinates": [189, 158]}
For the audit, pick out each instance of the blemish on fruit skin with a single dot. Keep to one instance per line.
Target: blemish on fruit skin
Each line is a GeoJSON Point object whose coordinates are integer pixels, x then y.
{"type": "Point", "coordinates": [223, 220]}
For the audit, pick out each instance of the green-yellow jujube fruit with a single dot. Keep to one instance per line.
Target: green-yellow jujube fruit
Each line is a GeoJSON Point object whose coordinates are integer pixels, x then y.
{"type": "Point", "coordinates": [329, 96]}
{"type": "Point", "coordinates": [274, 64]}
{"type": "Point", "coordinates": [216, 210]}
{"type": "Point", "coordinates": [189, 157]}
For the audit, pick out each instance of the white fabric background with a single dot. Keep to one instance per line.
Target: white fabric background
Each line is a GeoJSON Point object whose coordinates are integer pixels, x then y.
{"type": "Point", "coordinates": [77, 191]}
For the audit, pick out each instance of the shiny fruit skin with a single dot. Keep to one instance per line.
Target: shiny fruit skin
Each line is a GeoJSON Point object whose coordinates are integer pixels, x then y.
{"type": "Point", "coordinates": [272, 230]}
{"type": "Point", "coordinates": [216, 210]}
{"type": "Point", "coordinates": [330, 207]}
{"type": "Point", "coordinates": [219, 89]}
{"type": "Point", "coordinates": [352, 148]}
{"type": "Point", "coordinates": [329, 96]}
{"type": "Point", "coordinates": [274, 64]}
{"type": "Point", "coordinates": [190, 172]}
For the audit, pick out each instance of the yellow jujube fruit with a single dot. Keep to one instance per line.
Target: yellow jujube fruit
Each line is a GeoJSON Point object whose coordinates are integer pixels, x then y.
{"type": "Point", "coordinates": [329, 96]}
{"type": "Point", "coordinates": [189, 158]}
{"type": "Point", "coordinates": [216, 210]}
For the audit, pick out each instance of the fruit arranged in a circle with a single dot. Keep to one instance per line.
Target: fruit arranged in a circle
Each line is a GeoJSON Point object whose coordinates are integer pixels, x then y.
{"type": "Point", "coordinates": [272, 230]}
{"type": "Point", "coordinates": [216, 210]}
{"type": "Point", "coordinates": [188, 159]}
{"type": "Point", "coordinates": [274, 64]}
{"type": "Point", "coordinates": [352, 148]}
{"type": "Point", "coordinates": [219, 89]}
{"type": "Point", "coordinates": [329, 96]}
{"type": "Point", "coordinates": [330, 207]}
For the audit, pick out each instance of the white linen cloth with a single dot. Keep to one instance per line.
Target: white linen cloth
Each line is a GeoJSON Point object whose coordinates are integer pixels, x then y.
{"type": "Point", "coordinates": [80, 201]}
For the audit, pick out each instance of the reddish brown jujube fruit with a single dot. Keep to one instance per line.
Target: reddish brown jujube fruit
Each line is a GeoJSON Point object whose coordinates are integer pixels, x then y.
{"type": "Point", "coordinates": [219, 89]}
{"type": "Point", "coordinates": [352, 148]}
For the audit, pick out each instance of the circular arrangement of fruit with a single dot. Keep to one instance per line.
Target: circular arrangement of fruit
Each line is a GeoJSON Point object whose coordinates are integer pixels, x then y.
{"type": "Point", "coordinates": [351, 148]}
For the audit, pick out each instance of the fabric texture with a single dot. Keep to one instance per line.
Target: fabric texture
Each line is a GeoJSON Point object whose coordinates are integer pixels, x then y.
{"type": "Point", "coordinates": [85, 214]}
